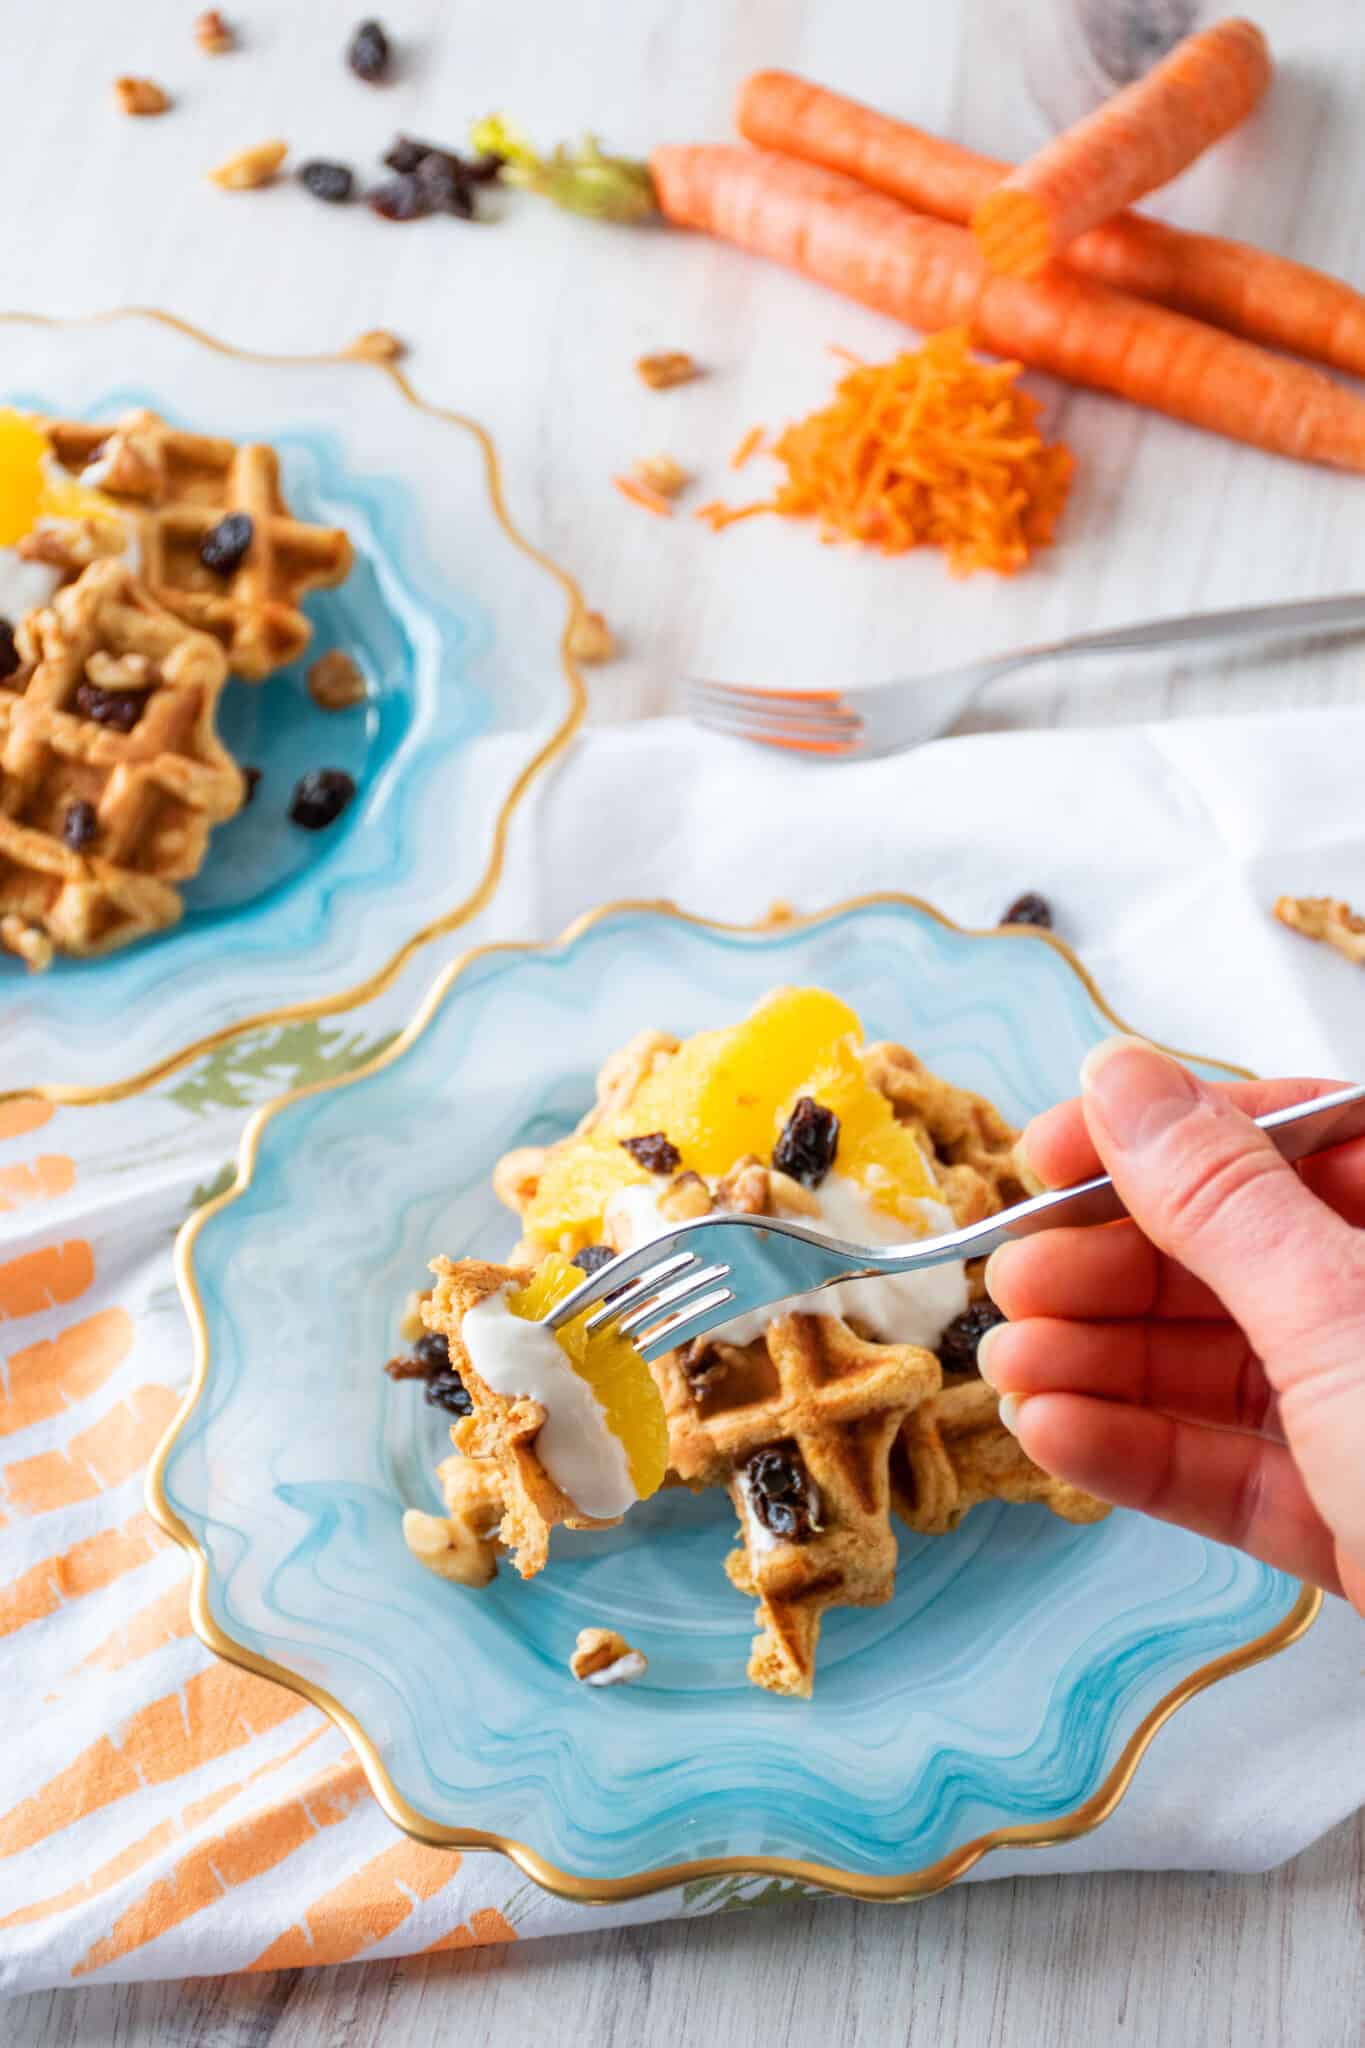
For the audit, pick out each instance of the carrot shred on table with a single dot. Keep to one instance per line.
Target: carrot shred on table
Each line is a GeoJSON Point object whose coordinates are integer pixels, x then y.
{"type": "Point", "coordinates": [931, 449]}
{"type": "Point", "coordinates": [749, 444]}
{"type": "Point", "coordinates": [641, 494]}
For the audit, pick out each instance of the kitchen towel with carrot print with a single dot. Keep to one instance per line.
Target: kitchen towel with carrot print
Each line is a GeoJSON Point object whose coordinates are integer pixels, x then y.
{"type": "Point", "coordinates": [166, 1814]}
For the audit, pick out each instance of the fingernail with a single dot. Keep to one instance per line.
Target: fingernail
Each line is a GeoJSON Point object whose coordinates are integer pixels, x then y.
{"type": "Point", "coordinates": [993, 1272]}
{"type": "Point", "coordinates": [1010, 1404]}
{"type": "Point", "coordinates": [983, 1352]}
{"type": "Point", "coordinates": [1136, 1092]}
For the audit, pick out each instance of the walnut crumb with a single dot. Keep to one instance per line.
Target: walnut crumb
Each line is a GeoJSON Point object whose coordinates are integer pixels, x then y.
{"type": "Point", "coordinates": [602, 1656]}
{"type": "Point", "coordinates": [71, 544]}
{"type": "Point", "coordinates": [214, 35]}
{"type": "Point", "coordinates": [140, 96]}
{"type": "Point", "coordinates": [1327, 919]}
{"type": "Point", "coordinates": [668, 366]}
{"type": "Point", "coordinates": [378, 345]}
{"type": "Point", "coordinates": [590, 638]}
{"type": "Point", "coordinates": [335, 683]}
{"type": "Point", "coordinates": [411, 1327]}
{"type": "Point", "coordinates": [27, 941]}
{"type": "Point", "coordinates": [685, 1198]}
{"type": "Point", "coordinates": [662, 474]}
{"type": "Point", "coordinates": [249, 167]}
{"type": "Point", "coordinates": [463, 1544]}
{"type": "Point", "coordinates": [120, 671]}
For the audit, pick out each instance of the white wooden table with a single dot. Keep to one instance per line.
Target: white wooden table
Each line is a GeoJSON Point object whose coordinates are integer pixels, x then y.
{"type": "Point", "coordinates": [531, 326]}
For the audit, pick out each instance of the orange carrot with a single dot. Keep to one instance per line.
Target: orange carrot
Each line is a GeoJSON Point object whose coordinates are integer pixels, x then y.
{"type": "Point", "coordinates": [932, 276]}
{"type": "Point", "coordinates": [1230, 284]}
{"type": "Point", "coordinates": [749, 445]}
{"type": "Point", "coordinates": [641, 494]}
{"type": "Point", "coordinates": [1141, 138]}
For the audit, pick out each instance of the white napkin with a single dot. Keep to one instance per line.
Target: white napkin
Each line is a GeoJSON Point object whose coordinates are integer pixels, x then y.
{"type": "Point", "coordinates": [163, 1815]}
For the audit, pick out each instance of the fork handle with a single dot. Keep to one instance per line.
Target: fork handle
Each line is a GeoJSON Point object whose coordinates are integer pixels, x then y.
{"type": "Point", "coordinates": [1306, 615]}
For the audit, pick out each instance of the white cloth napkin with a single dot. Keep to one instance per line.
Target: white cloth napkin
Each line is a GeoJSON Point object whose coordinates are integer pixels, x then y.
{"type": "Point", "coordinates": [161, 1815]}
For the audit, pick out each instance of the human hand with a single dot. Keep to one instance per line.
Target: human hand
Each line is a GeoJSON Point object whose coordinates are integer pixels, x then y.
{"type": "Point", "coordinates": [1204, 1362]}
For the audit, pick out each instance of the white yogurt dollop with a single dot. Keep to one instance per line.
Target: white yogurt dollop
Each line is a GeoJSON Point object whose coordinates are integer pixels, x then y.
{"type": "Point", "coordinates": [575, 1445]}
{"type": "Point", "coordinates": [24, 585]}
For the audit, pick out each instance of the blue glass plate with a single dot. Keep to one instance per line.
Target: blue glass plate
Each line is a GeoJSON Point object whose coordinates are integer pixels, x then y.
{"type": "Point", "coordinates": [457, 632]}
{"type": "Point", "coordinates": [1011, 1683]}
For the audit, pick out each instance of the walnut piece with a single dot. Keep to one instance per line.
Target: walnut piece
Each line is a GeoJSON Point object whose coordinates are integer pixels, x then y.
{"type": "Point", "coordinates": [334, 681]}
{"type": "Point", "coordinates": [31, 945]}
{"type": "Point", "coordinates": [590, 638]}
{"type": "Point", "coordinates": [662, 474]}
{"type": "Point", "coordinates": [120, 671]}
{"type": "Point", "coordinates": [131, 460]}
{"type": "Point", "coordinates": [602, 1656]}
{"type": "Point", "coordinates": [1327, 919]}
{"type": "Point", "coordinates": [668, 366]}
{"type": "Point", "coordinates": [685, 1198]}
{"type": "Point", "coordinates": [378, 345]}
{"type": "Point", "coordinates": [461, 1545]}
{"type": "Point", "coordinates": [746, 1188]}
{"type": "Point", "coordinates": [140, 96]}
{"type": "Point", "coordinates": [214, 35]}
{"type": "Point", "coordinates": [250, 167]}
{"type": "Point", "coordinates": [411, 1327]}
{"type": "Point", "coordinates": [71, 544]}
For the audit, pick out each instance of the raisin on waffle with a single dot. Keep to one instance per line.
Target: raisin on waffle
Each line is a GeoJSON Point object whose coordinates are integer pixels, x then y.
{"type": "Point", "coordinates": [954, 1452]}
{"type": "Point", "coordinates": [242, 582]}
{"type": "Point", "coordinates": [503, 1428]}
{"type": "Point", "coordinates": [111, 769]}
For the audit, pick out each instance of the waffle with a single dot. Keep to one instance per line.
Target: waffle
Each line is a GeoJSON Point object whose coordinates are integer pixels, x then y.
{"type": "Point", "coordinates": [954, 1452]}
{"type": "Point", "coordinates": [156, 789]}
{"type": "Point", "coordinates": [172, 488]}
{"type": "Point", "coordinates": [502, 1430]}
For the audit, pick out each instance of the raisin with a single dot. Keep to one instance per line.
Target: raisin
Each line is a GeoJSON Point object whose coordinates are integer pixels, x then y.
{"type": "Point", "coordinates": [782, 1492]}
{"type": "Point", "coordinates": [957, 1347]}
{"type": "Point", "coordinates": [251, 777]}
{"type": "Point", "coordinates": [400, 198]}
{"type": "Point", "coordinates": [9, 653]}
{"type": "Point", "coordinates": [328, 181]}
{"type": "Point", "coordinates": [80, 825]}
{"type": "Point", "coordinates": [485, 169]}
{"type": "Point", "coordinates": [703, 1364]}
{"type": "Point", "coordinates": [120, 710]}
{"type": "Point", "coordinates": [447, 1390]}
{"type": "Point", "coordinates": [1030, 908]}
{"type": "Point", "coordinates": [403, 154]}
{"type": "Point", "coordinates": [433, 1352]}
{"type": "Point", "coordinates": [654, 1152]}
{"type": "Point", "coordinates": [225, 544]}
{"type": "Point", "coordinates": [443, 185]}
{"type": "Point", "coordinates": [809, 1142]}
{"type": "Point", "coordinates": [320, 797]}
{"type": "Point", "coordinates": [593, 1257]}
{"type": "Point", "coordinates": [368, 52]}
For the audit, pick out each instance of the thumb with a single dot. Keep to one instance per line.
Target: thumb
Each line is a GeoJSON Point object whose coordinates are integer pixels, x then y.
{"type": "Point", "coordinates": [1209, 1188]}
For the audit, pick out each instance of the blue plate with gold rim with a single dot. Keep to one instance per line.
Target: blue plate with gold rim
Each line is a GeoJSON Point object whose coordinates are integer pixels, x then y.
{"type": "Point", "coordinates": [1007, 1691]}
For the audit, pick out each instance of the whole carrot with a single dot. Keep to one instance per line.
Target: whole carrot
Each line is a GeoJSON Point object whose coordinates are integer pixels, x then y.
{"type": "Point", "coordinates": [1141, 138]}
{"type": "Point", "coordinates": [1248, 291]}
{"type": "Point", "coordinates": [932, 276]}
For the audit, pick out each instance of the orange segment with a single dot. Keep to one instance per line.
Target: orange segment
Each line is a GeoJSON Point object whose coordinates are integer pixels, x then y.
{"type": "Point", "coordinates": [613, 1368]}
{"type": "Point", "coordinates": [875, 1150]}
{"type": "Point", "coordinates": [33, 487]}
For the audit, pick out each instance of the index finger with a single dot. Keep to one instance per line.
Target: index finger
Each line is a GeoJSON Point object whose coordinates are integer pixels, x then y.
{"type": "Point", "coordinates": [1057, 1145]}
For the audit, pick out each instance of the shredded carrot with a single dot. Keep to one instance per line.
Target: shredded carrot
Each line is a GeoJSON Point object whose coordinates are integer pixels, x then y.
{"type": "Point", "coordinates": [748, 446]}
{"type": "Point", "coordinates": [931, 449]}
{"type": "Point", "coordinates": [641, 494]}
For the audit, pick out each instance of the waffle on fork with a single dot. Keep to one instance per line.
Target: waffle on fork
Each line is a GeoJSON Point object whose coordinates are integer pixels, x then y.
{"type": "Point", "coordinates": [156, 789]}
{"type": "Point", "coordinates": [173, 488]}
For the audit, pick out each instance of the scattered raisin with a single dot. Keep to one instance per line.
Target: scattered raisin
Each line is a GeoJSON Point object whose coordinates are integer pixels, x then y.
{"type": "Point", "coordinates": [485, 169]}
{"type": "Point", "coordinates": [432, 1352]}
{"type": "Point", "coordinates": [252, 778]}
{"type": "Point", "coordinates": [225, 544]}
{"type": "Point", "coordinates": [399, 198]}
{"type": "Point", "coordinates": [447, 1390]}
{"type": "Point", "coordinates": [80, 825]}
{"type": "Point", "coordinates": [328, 181]}
{"type": "Point", "coordinates": [809, 1142]}
{"type": "Point", "coordinates": [9, 653]}
{"type": "Point", "coordinates": [957, 1347]}
{"type": "Point", "coordinates": [403, 154]}
{"type": "Point", "coordinates": [368, 52]}
{"type": "Point", "coordinates": [782, 1492]}
{"type": "Point", "coordinates": [654, 1152]}
{"type": "Point", "coordinates": [120, 710]}
{"type": "Point", "coordinates": [1030, 908]}
{"type": "Point", "coordinates": [320, 797]}
{"type": "Point", "coordinates": [593, 1257]}
{"type": "Point", "coordinates": [443, 185]}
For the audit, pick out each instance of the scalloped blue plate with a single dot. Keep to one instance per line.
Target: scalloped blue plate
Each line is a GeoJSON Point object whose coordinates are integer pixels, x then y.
{"type": "Point", "coordinates": [1006, 1692]}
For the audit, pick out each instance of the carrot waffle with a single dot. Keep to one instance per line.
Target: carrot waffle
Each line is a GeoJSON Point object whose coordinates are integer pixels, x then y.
{"type": "Point", "coordinates": [214, 540]}
{"type": "Point", "coordinates": [112, 773]}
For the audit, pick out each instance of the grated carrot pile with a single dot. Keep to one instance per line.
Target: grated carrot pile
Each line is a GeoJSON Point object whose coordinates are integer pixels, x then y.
{"type": "Point", "coordinates": [932, 449]}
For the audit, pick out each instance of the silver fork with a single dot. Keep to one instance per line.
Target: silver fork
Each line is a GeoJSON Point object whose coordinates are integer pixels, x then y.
{"type": "Point", "coordinates": [692, 1279]}
{"type": "Point", "coordinates": [884, 718]}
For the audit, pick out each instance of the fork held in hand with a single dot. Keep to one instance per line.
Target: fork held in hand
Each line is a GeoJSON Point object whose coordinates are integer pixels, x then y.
{"type": "Point", "coordinates": [885, 718]}
{"type": "Point", "coordinates": [692, 1279]}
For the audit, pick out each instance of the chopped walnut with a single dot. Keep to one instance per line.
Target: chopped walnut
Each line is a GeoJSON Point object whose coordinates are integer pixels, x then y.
{"type": "Point", "coordinates": [214, 35]}
{"type": "Point", "coordinates": [71, 544]}
{"type": "Point", "coordinates": [140, 96]}
{"type": "Point", "coordinates": [378, 345]}
{"type": "Point", "coordinates": [27, 941]}
{"type": "Point", "coordinates": [249, 167]}
{"type": "Point", "coordinates": [602, 1656]}
{"type": "Point", "coordinates": [1327, 919]}
{"type": "Point", "coordinates": [746, 1188]}
{"type": "Point", "coordinates": [791, 1195]}
{"type": "Point", "coordinates": [590, 638]}
{"type": "Point", "coordinates": [685, 1198]}
{"type": "Point", "coordinates": [130, 461]}
{"type": "Point", "coordinates": [120, 671]}
{"type": "Point", "coordinates": [461, 1545]}
{"type": "Point", "coordinates": [662, 474]}
{"type": "Point", "coordinates": [669, 366]}
{"type": "Point", "coordinates": [335, 683]}
{"type": "Point", "coordinates": [411, 1325]}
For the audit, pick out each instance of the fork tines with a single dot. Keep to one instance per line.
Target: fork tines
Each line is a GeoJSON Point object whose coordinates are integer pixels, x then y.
{"type": "Point", "coordinates": [809, 721]}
